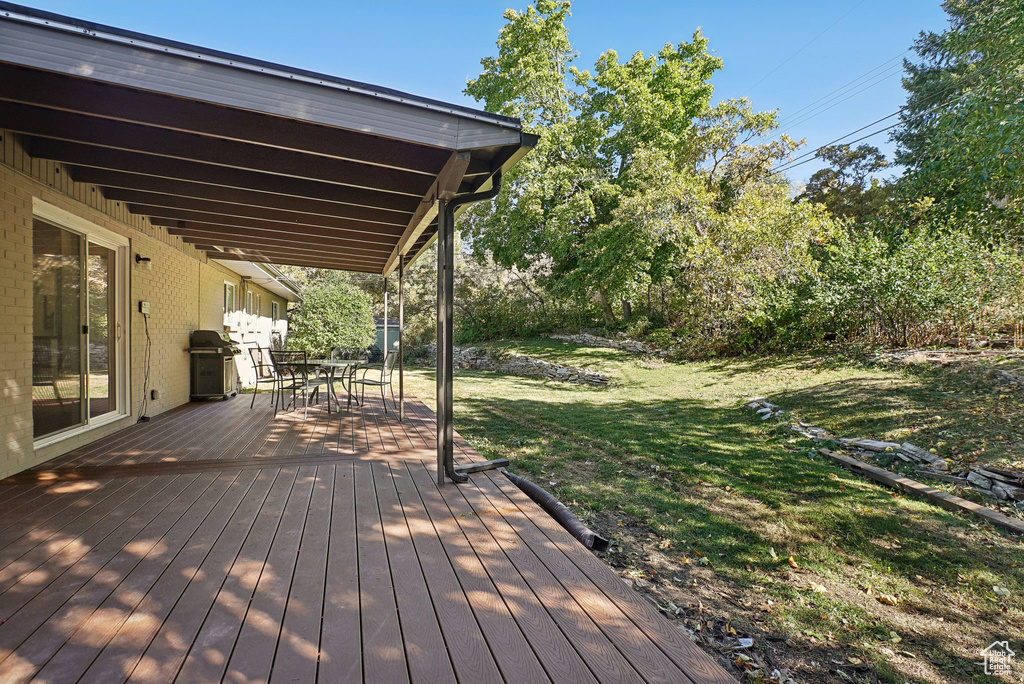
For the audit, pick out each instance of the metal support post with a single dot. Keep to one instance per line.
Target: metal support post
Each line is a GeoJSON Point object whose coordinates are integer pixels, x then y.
{"type": "Point", "coordinates": [401, 338]}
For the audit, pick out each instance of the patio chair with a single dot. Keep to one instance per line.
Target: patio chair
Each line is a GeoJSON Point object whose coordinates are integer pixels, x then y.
{"type": "Point", "coordinates": [264, 368]}
{"type": "Point", "coordinates": [384, 380]}
{"type": "Point", "coordinates": [347, 353]}
{"type": "Point", "coordinates": [292, 370]}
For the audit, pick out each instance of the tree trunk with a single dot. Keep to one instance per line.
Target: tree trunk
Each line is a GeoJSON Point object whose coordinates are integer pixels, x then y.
{"type": "Point", "coordinates": [627, 310]}
{"type": "Point", "coordinates": [606, 308]}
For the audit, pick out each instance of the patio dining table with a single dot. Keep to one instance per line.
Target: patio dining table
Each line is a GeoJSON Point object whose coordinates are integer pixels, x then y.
{"type": "Point", "coordinates": [348, 368]}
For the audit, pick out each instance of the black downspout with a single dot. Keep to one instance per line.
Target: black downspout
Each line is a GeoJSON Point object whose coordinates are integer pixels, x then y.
{"type": "Point", "coordinates": [557, 510]}
{"type": "Point", "coordinates": [446, 287]}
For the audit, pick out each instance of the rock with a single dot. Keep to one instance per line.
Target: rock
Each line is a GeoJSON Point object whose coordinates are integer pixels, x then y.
{"type": "Point", "coordinates": [874, 445]}
{"type": "Point", "coordinates": [525, 366]}
{"type": "Point", "coordinates": [999, 492]}
{"type": "Point", "coordinates": [633, 346]}
{"type": "Point", "coordinates": [1014, 476]}
{"type": "Point", "coordinates": [979, 480]}
{"type": "Point", "coordinates": [993, 475]}
{"type": "Point", "coordinates": [1014, 493]}
{"type": "Point", "coordinates": [920, 454]}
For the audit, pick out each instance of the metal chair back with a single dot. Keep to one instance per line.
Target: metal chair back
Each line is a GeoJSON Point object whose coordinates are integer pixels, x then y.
{"type": "Point", "coordinates": [289, 363]}
{"type": "Point", "coordinates": [390, 358]}
{"type": "Point", "coordinates": [261, 362]}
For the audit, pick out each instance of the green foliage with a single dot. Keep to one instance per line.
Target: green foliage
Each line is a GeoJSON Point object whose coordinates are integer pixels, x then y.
{"type": "Point", "coordinates": [962, 129]}
{"type": "Point", "coordinates": [494, 303]}
{"type": "Point", "coordinates": [334, 312]}
{"type": "Point", "coordinates": [555, 204]}
{"type": "Point", "coordinates": [847, 186]}
{"type": "Point", "coordinates": [936, 284]}
{"type": "Point", "coordinates": [641, 190]}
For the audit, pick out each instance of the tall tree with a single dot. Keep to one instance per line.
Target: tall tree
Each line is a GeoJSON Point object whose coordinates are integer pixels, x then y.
{"type": "Point", "coordinates": [554, 203]}
{"type": "Point", "coordinates": [848, 186]}
{"type": "Point", "coordinates": [962, 129]}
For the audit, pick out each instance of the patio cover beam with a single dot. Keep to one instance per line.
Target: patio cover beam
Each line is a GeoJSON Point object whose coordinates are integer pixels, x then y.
{"type": "Point", "coordinates": [206, 237]}
{"type": "Point", "coordinates": [122, 182]}
{"type": "Point", "coordinates": [71, 94]}
{"type": "Point", "coordinates": [129, 137]}
{"type": "Point", "coordinates": [444, 187]}
{"type": "Point", "coordinates": [81, 154]}
{"type": "Point", "coordinates": [355, 230]}
{"type": "Point", "coordinates": [341, 220]}
{"type": "Point", "coordinates": [294, 260]}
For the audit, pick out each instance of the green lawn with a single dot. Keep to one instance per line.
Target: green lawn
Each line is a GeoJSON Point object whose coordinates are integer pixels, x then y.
{"type": "Point", "coordinates": [707, 504]}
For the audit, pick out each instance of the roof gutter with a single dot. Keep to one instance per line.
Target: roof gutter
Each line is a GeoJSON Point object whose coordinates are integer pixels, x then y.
{"type": "Point", "coordinates": [283, 280]}
{"type": "Point", "coordinates": [30, 15]}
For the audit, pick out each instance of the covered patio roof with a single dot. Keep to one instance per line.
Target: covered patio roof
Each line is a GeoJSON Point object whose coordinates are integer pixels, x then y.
{"type": "Point", "coordinates": [245, 159]}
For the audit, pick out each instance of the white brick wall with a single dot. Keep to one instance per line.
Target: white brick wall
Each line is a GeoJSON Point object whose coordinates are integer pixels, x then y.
{"type": "Point", "coordinates": [184, 290]}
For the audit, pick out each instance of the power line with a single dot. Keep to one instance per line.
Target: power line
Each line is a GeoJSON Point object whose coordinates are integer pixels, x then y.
{"type": "Point", "coordinates": [793, 163]}
{"type": "Point", "coordinates": [845, 86]}
{"type": "Point", "coordinates": [821, 109]}
{"type": "Point", "coordinates": [805, 46]}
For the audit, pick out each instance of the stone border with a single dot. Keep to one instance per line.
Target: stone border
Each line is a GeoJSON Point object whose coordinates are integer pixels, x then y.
{"type": "Point", "coordinates": [947, 501]}
{"type": "Point", "coordinates": [475, 358]}
{"type": "Point", "coordinates": [992, 481]}
{"type": "Point", "coordinates": [633, 346]}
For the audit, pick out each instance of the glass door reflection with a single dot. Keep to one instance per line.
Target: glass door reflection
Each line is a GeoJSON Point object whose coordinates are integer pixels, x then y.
{"type": "Point", "coordinates": [57, 332]}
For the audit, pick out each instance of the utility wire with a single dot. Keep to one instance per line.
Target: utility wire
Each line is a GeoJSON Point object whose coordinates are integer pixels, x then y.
{"type": "Point", "coordinates": [829, 104]}
{"type": "Point", "coordinates": [805, 46]}
{"type": "Point", "coordinates": [787, 121]}
{"type": "Point", "coordinates": [796, 162]}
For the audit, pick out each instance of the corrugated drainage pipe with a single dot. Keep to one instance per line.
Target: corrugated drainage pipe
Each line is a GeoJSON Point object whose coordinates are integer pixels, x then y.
{"type": "Point", "coordinates": [557, 510]}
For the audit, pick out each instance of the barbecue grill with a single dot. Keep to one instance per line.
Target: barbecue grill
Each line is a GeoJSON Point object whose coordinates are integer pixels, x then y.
{"type": "Point", "coordinates": [213, 365]}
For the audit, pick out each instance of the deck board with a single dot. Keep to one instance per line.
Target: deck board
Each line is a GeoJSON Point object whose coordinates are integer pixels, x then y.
{"type": "Point", "coordinates": [222, 543]}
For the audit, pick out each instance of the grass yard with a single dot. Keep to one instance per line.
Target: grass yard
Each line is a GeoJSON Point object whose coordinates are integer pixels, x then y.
{"type": "Point", "coordinates": [737, 529]}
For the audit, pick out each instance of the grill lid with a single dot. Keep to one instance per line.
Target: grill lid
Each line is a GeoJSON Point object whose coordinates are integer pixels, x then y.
{"type": "Point", "coordinates": [215, 340]}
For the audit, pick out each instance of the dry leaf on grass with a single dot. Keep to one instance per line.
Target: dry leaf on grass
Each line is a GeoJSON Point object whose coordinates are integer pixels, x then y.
{"type": "Point", "coordinates": [887, 599]}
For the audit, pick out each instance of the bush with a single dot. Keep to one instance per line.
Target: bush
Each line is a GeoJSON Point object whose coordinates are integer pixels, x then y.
{"type": "Point", "coordinates": [929, 287]}
{"type": "Point", "coordinates": [334, 312]}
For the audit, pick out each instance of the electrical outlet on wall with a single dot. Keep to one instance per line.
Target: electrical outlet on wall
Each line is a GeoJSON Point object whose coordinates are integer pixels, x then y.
{"type": "Point", "coordinates": [154, 394]}
{"type": "Point", "coordinates": [144, 308]}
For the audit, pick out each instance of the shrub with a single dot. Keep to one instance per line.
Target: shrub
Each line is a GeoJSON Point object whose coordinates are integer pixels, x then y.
{"type": "Point", "coordinates": [926, 288]}
{"type": "Point", "coordinates": [334, 312]}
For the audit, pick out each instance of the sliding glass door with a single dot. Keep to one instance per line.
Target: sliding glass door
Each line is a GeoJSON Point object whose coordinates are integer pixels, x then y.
{"type": "Point", "coordinates": [58, 384]}
{"type": "Point", "coordinates": [77, 328]}
{"type": "Point", "coordinates": [102, 330]}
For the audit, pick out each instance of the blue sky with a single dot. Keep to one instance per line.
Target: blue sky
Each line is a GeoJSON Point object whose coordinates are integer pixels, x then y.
{"type": "Point", "coordinates": [782, 54]}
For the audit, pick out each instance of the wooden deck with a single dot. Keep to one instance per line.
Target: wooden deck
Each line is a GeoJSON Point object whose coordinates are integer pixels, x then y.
{"type": "Point", "coordinates": [216, 543]}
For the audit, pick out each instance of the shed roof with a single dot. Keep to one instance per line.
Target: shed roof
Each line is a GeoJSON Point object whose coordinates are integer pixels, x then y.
{"type": "Point", "coordinates": [245, 159]}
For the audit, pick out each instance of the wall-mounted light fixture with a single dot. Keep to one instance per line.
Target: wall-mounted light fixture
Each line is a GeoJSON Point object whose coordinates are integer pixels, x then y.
{"type": "Point", "coordinates": [143, 262]}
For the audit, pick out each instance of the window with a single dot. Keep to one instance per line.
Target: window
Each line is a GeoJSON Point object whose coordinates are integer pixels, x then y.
{"type": "Point", "coordinates": [275, 311]}
{"type": "Point", "coordinates": [248, 303]}
{"type": "Point", "coordinates": [229, 297]}
{"type": "Point", "coordinates": [79, 331]}
{"type": "Point", "coordinates": [259, 304]}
